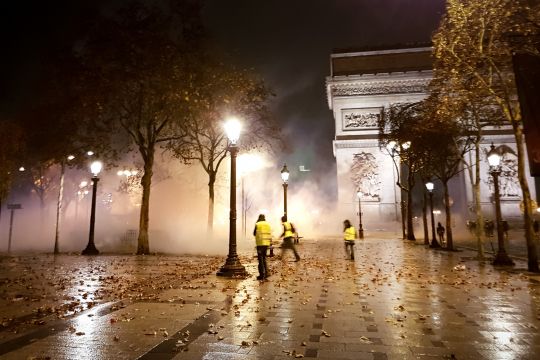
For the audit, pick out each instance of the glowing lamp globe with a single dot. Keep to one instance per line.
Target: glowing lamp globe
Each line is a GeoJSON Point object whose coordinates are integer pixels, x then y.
{"type": "Point", "coordinates": [232, 129]}
{"type": "Point", "coordinates": [430, 186]}
{"type": "Point", "coordinates": [95, 167]}
{"type": "Point", "coordinates": [494, 159]}
{"type": "Point", "coordinates": [285, 174]}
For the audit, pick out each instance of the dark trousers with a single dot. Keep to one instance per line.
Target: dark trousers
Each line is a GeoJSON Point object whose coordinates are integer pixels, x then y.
{"type": "Point", "coordinates": [289, 245]}
{"type": "Point", "coordinates": [441, 238]}
{"type": "Point", "coordinates": [349, 249]}
{"type": "Point", "coordinates": [261, 257]}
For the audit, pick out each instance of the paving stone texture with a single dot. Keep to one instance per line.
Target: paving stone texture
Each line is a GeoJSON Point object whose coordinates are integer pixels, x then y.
{"type": "Point", "coordinates": [397, 300]}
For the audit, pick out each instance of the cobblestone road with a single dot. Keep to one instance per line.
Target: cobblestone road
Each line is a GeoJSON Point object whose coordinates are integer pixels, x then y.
{"type": "Point", "coordinates": [397, 300]}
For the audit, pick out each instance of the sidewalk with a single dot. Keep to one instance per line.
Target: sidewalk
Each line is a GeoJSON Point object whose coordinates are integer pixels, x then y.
{"type": "Point", "coordinates": [398, 300]}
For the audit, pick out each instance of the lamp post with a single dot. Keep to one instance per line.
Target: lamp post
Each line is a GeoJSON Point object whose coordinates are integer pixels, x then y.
{"type": "Point", "coordinates": [434, 243]}
{"type": "Point", "coordinates": [494, 160]}
{"type": "Point", "coordinates": [232, 266]}
{"type": "Point", "coordinates": [90, 249]}
{"type": "Point", "coordinates": [360, 227]}
{"type": "Point", "coordinates": [285, 178]}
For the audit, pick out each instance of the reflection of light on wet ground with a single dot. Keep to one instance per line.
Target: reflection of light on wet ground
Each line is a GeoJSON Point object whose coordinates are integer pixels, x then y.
{"type": "Point", "coordinates": [86, 323]}
{"type": "Point", "coordinates": [92, 351]}
{"type": "Point", "coordinates": [243, 320]}
{"type": "Point", "coordinates": [83, 329]}
{"type": "Point", "coordinates": [435, 319]}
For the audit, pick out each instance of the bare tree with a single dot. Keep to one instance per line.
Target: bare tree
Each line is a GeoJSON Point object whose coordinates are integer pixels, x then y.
{"type": "Point", "coordinates": [445, 146]}
{"type": "Point", "coordinates": [398, 128]}
{"type": "Point", "coordinates": [451, 101]}
{"type": "Point", "coordinates": [140, 62]}
{"type": "Point", "coordinates": [222, 90]}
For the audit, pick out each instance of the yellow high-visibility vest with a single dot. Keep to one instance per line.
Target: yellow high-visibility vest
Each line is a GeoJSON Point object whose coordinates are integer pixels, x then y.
{"type": "Point", "coordinates": [350, 234]}
{"type": "Point", "coordinates": [263, 233]}
{"type": "Point", "coordinates": [288, 229]}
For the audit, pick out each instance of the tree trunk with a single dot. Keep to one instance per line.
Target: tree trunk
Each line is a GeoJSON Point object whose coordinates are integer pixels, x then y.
{"type": "Point", "coordinates": [59, 208]}
{"type": "Point", "coordinates": [410, 229]}
{"type": "Point", "coordinates": [211, 201]}
{"type": "Point", "coordinates": [403, 217]}
{"type": "Point", "coordinates": [532, 254]}
{"type": "Point", "coordinates": [449, 237]}
{"type": "Point", "coordinates": [425, 220]}
{"type": "Point", "coordinates": [44, 235]}
{"type": "Point", "coordinates": [479, 230]}
{"type": "Point", "coordinates": [143, 247]}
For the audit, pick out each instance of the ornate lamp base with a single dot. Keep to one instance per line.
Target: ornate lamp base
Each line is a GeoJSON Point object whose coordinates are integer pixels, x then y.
{"type": "Point", "coordinates": [232, 268]}
{"type": "Point", "coordinates": [90, 250]}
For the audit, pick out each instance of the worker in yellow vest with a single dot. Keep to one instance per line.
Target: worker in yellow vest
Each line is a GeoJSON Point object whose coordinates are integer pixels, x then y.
{"type": "Point", "coordinates": [263, 238]}
{"type": "Point", "coordinates": [288, 237]}
{"type": "Point", "coordinates": [349, 235]}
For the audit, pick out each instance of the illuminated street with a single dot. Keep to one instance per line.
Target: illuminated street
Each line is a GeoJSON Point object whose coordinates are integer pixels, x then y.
{"type": "Point", "coordinates": [398, 300]}
{"type": "Point", "coordinates": [209, 179]}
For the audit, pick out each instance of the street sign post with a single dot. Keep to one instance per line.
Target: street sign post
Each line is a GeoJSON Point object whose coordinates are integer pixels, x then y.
{"type": "Point", "coordinates": [12, 207]}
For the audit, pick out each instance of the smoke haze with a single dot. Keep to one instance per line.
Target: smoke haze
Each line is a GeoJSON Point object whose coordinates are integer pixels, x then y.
{"type": "Point", "coordinates": [178, 209]}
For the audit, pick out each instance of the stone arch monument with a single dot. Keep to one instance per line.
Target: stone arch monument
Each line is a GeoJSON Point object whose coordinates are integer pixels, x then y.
{"type": "Point", "coordinates": [361, 84]}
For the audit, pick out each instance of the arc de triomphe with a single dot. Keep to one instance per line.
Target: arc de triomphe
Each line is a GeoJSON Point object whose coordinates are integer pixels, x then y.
{"type": "Point", "coordinates": [361, 84]}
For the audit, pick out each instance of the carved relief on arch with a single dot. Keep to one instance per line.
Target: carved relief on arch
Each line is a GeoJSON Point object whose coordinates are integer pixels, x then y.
{"type": "Point", "coordinates": [354, 119]}
{"type": "Point", "coordinates": [365, 175]}
{"type": "Point", "coordinates": [380, 87]}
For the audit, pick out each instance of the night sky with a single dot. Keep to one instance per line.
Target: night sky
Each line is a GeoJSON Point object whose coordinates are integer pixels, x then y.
{"type": "Point", "coordinates": [288, 42]}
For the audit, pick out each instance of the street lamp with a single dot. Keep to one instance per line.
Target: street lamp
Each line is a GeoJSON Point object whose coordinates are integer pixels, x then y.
{"type": "Point", "coordinates": [434, 243]}
{"type": "Point", "coordinates": [90, 249]}
{"type": "Point", "coordinates": [494, 160]}
{"type": "Point", "coordinates": [285, 178]}
{"type": "Point", "coordinates": [232, 266]}
{"type": "Point", "coordinates": [360, 228]}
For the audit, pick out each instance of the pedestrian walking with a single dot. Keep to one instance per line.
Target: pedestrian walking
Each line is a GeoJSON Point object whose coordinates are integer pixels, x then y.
{"type": "Point", "coordinates": [440, 232]}
{"type": "Point", "coordinates": [263, 238]}
{"type": "Point", "coordinates": [489, 227]}
{"type": "Point", "coordinates": [349, 235]}
{"type": "Point", "coordinates": [288, 238]}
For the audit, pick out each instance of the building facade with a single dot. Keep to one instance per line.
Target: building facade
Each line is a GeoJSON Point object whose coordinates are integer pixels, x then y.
{"type": "Point", "coordinates": [362, 84]}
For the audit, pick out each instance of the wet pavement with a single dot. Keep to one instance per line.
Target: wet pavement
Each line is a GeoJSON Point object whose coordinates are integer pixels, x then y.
{"type": "Point", "coordinates": [397, 300]}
